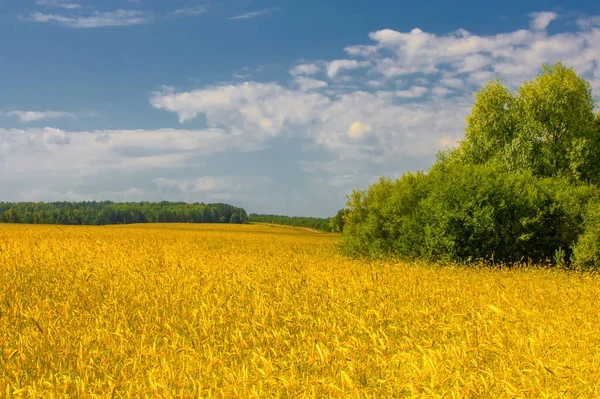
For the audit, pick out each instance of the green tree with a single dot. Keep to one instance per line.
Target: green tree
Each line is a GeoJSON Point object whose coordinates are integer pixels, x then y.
{"type": "Point", "coordinates": [556, 114]}
{"type": "Point", "coordinates": [12, 216]}
{"type": "Point", "coordinates": [492, 124]}
{"type": "Point", "coordinates": [234, 218]}
{"type": "Point", "coordinates": [107, 212]}
{"type": "Point", "coordinates": [336, 223]}
{"type": "Point", "coordinates": [547, 127]}
{"type": "Point", "coordinates": [296, 221]}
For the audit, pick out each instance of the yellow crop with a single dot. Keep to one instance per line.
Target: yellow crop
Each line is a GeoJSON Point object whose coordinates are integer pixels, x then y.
{"type": "Point", "coordinates": [182, 311]}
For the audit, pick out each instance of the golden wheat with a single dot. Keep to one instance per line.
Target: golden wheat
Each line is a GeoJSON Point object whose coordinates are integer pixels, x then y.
{"type": "Point", "coordinates": [255, 311]}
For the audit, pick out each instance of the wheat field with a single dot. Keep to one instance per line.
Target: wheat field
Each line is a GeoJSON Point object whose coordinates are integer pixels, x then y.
{"type": "Point", "coordinates": [220, 311]}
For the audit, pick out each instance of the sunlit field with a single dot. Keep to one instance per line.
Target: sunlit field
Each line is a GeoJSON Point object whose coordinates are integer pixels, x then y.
{"type": "Point", "coordinates": [225, 311]}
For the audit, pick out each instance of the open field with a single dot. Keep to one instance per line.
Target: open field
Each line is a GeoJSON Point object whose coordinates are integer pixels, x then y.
{"type": "Point", "coordinates": [257, 311]}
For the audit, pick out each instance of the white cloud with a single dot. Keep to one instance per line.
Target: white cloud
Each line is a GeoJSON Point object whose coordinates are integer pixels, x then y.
{"type": "Point", "coordinates": [413, 92]}
{"type": "Point", "coordinates": [334, 67]}
{"type": "Point", "coordinates": [97, 19]}
{"type": "Point", "coordinates": [361, 50]}
{"type": "Point", "coordinates": [541, 20]}
{"type": "Point", "coordinates": [375, 83]}
{"type": "Point", "coordinates": [461, 60]}
{"type": "Point", "coordinates": [58, 3]}
{"type": "Point", "coordinates": [121, 165]}
{"type": "Point", "coordinates": [32, 116]}
{"type": "Point", "coordinates": [251, 14]}
{"type": "Point", "coordinates": [474, 62]}
{"type": "Point", "coordinates": [441, 91]}
{"type": "Point", "coordinates": [451, 81]}
{"type": "Point", "coordinates": [306, 84]}
{"type": "Point", "coordinates": [189, 12]}
{"type": "Point", "coordinates": [256, 109]}
{"type": "Point", "coordinates": [305, 69]}
{"type": "Point", "coordinates": [440, 73]}
{"type": "Point", "coordinates": [589, 22]}
{"type": "Point", "coordinates": [54, 150]}
{"type": "Point", "coordinates": [358, 129]}
{"type": "Point", "coordinates": [268, 110]}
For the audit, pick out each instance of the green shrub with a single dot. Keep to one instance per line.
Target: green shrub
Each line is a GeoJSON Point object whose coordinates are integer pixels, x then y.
{"type": "Point", "coordinates": [489, 213]}
{"type": "Point", "coordinates": [380, 221]}
{"type": "Point", "coordinates": [587, 249]}
{"type": "Point", "coordinates": [468, 213]}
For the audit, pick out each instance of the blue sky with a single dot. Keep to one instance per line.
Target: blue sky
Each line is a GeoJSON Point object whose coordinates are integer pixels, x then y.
{"type": "Point", "coordinates": [277, 106]}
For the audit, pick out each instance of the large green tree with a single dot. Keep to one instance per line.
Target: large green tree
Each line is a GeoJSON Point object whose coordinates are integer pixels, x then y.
{"type": "Point", "coordinates": [556, 111]}
{"type": "Point", "coordinates": [547, 126]}
{"type": "Point", "coordinates": [492, 124]}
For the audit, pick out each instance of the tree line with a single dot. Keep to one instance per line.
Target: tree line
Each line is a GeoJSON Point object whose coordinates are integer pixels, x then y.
{"type": "Point", "coordinates": [522, 186]}
{"type": "Point", "coordinates": [296, 221]}
{"type": "Point", "coordinates": [107, 212]}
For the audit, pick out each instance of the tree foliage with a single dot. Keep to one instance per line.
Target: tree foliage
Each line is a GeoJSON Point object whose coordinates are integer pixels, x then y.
{"type": "Point", "coordinates": [492, 123]}
{"type": "Point", "coordinates": [547, 126]}
{"type": "Point", "coordinates": [521, 186]}
{"type": "Point", "coordinates": [337, 222]}
{"type": "Point", "coordinates": [296, 221]}
{"type": "Point", "coordinates": [106, 212]}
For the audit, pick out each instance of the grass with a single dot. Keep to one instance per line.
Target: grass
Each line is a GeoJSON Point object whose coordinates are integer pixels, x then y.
{"type": "Point", "coordinates": [255, 311]}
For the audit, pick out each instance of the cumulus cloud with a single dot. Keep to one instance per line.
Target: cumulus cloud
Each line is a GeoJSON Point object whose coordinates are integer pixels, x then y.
{"type": "Point", "coordinates": [334, 67]}
{"type": "Point", "coordinates": [589, 22]}
{"type": "Point", "coordinates": [413, 92]}
{"type": "Point", "coordinates": [358, 129]}
{"type": "Point", "coordinates": [32, 116]}
{"type": "Point", "coordinates": [121, 165]}
{"type": "Point", "coordinates": [271, 110]}
{"type": "Point", "coordinates": [51, 149]}
{"type": "Point", "coordinates": [305, 83]}
{"type": "Point", "coordinates": [305, 69]}
{"type": "Point", "coordinates": [462, 60]}
{"type": "Point", "coordinates": [441, 91]}
{"type": "Point", "coordinates": [414, 117]}
{"type": "Point", "coordinates": [541, 20]}
{"type": "Point", "coordinates": [251, 108]}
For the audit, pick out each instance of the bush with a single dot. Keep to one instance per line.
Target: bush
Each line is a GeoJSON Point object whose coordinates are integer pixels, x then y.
{"type": "Point", "coordinates": [492, 214]}
{"type": "Point", "coordinates": [587, 249]}
{"type": "Point", "coordinates": [467, 213]}
{"type": "Point", "coordinates": [381, 221]}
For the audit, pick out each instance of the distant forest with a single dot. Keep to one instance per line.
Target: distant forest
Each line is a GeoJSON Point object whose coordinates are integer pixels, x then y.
{"type": "Point", "coordinates": [106, 212]}
{"type": "Point", "coordinates": [296, 221]}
